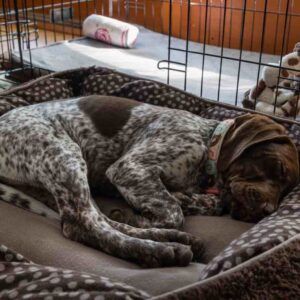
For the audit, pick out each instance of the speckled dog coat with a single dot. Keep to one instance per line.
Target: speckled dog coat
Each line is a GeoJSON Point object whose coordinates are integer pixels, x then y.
{"type": "Point", "coordinates": [152, 155]}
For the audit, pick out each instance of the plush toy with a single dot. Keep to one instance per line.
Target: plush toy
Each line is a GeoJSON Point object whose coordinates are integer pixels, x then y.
{"type": "Point", "coordinates": [278, 89]}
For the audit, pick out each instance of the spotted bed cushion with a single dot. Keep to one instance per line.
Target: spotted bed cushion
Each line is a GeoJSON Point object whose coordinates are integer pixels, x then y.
{"type": "Point", "coordinates": [271, 231]}
{"type": "Point", "coordinates": [22, 279]}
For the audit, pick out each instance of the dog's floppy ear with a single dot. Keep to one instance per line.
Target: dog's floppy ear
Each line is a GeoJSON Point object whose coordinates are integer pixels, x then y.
{"type": "Point", "coordinates": [249, 130]}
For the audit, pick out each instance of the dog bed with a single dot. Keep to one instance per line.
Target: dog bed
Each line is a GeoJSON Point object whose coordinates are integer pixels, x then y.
{"type": "Point", "coordinates": [242, 260]}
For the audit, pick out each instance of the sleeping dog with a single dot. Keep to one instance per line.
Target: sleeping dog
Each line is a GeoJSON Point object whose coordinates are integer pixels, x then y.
{"type": "Point", "coordinates": [160, 160]}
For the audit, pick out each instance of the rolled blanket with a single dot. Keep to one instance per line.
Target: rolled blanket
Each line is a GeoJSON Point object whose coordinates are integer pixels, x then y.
{"type": "Point", "coordinates": [110, 31]}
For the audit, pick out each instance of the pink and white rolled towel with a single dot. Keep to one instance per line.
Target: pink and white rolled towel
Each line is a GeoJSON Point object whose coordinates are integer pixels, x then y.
{"type": "Point", "coordinates": [110, 31]}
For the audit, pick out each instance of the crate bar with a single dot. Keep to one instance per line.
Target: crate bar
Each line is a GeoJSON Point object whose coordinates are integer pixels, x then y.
{"type": "Point", "coordinates": [277, 23]}
{"type": "Point", "coordinates": [289, 25]}
{"type": "Point", "coordinates": [228, 58]}
{"type": "Point", "coordinates": [204, 48]}
{"type": "Point", "coordinates": [297, 105]}
{"type": "Point", "coordinates": [169, 40]}
{"type": "Point", "coordinates": [72, 19]}
{"type": "Point", "coordinates": [200, 24]}
{"type": "Point", "coordinates": [282, 48]}
{"type": "Point", "coordinates": [241, 52]}
{"type": "Point", "coordinates": [253, 24]}
{"type": "Point", "coordinates": [222, 50]}
{"type": "Point", "coordinates": [2, 49]}
{"type": "Point", "coordinates": [18, 32]}
{"type": "Point", "coordinates": [34, 21]}
{"type": "Point", "coordinates": [170, 68]}
{"type": "Point", "coordinates": [187, 43]}
{"type": "Point", "coordinates": [230, 27]}
{"type": "Point", "coordinates": [180, 18]}
{"type": "Point", "coordinates": [220, 25]}
{"type": "Point", "coordinates": [28, 39]}
{"type": "Point", "coordinates": [261, 47]}
{"type": "Point", "coordinates": [62, 18]}
{"type": "Point", "coordinates": [6, 30]}
{"type": "Point", "coordinates": [52, 17]}
{"type": "Point", "coordinates": [44, 21]}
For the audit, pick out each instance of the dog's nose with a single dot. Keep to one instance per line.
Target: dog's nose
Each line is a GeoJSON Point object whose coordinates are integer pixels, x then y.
{"type": "Point", "coordinates": [269, 208]}
{"type": "Point", "coordinates": [252, 193]}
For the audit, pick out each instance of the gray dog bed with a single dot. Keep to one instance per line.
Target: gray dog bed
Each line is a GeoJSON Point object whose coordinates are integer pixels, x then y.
{"type": "Point", "coordinates": [242, 260]}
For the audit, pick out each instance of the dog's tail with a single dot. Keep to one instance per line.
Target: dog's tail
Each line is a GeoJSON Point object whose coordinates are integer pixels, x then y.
{"type": "Point", "coordinates": [22, 200]}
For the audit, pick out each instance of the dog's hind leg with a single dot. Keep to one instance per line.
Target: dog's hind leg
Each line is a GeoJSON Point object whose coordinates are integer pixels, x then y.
{"type": "Point", "coordinates": [66, 179]}
{"type": "Point", "coordinates": [163, 235]}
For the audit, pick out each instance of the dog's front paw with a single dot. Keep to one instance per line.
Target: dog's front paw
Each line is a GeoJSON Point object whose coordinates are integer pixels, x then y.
{"type": "Point", "coordinates": [211, 203]}
{"type": "Point", "coordinates": [202, 204]}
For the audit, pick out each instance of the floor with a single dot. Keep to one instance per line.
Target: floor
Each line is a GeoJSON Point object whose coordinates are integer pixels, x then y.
{"type": "Point", "coordinates": [151, 47]}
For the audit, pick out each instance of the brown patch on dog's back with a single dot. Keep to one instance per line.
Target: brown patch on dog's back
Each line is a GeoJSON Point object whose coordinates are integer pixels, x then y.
{"type": "Point", "coordinates": [109, 114]}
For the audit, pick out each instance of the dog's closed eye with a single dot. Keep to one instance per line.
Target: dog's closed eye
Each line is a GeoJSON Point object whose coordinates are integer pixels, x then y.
{"type": "Point", "coordinates": [283, 169]}
{"type": "Point", "coordinates": [278, 170]}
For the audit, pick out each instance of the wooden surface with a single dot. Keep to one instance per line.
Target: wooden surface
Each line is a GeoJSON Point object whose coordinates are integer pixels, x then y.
{"type": "Point", "coordinates": [269, 40]}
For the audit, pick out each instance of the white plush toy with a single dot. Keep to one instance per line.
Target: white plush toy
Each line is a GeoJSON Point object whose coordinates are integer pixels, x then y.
{"type": "Point", "coordinates": [110, 31]}
{"type": "Point", "coordinates": [279, 90]}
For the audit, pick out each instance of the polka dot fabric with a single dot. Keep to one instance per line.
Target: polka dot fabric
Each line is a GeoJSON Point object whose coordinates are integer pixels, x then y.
{"type": "Point", "coordinates": [271, 231]}
{"type": "Point", "coordinates": [22, 279]}
{"type": "Point", "coordinates": [104, 84]}
{"type": "Point", "coordinates": [142, 90]}
{"type": "Point", "coordinates": [220, 113]}
{"type": "Point", "coordinates": [8, 103]}
{"type": "Point", "coordinates": [46, 90]}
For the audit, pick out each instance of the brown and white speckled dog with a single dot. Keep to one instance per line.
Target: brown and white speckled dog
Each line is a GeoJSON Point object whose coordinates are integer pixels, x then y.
{"type": "Point", "coordinates": [153, 156]}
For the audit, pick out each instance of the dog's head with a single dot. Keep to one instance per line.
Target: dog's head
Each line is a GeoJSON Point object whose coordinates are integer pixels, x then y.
{"type": "Point", "coordinates": [259, 165]}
